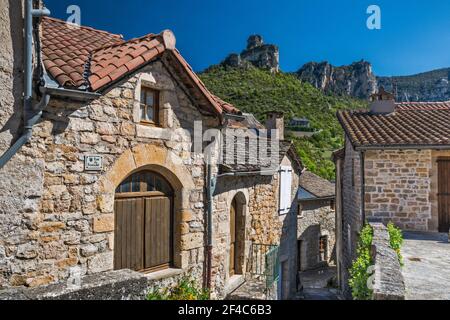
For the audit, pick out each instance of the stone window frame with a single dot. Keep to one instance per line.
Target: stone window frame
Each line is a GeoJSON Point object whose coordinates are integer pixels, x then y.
{"type": "Point", "coordinates": [148, 81]}
{"type": "Point", "coordinates": [156, 121]}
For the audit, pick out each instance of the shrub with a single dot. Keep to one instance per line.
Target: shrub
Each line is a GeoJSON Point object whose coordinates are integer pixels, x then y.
{"type": "Point", "coordinates": [396, 240]}
{"type": "Point", "coordinates": [185, 289]}
{"type": "Point", "coordinates": [358, 272]}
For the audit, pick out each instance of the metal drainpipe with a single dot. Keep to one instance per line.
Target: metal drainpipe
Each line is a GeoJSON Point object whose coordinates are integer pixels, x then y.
{"type": "Point", "coordinates": [31, 114]}
{"type": "Point", "coordinates": [211, 185]}
{"type": "Point", "coordinates": [363, 187]}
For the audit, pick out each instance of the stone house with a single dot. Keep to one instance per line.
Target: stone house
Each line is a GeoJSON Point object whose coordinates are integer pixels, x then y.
{"type": "Point", "coordinates": [316, 223]}
{"type": "Point", "coordinates": [120, 171]}
{"type": "Point", "coordinates": [395, 167]}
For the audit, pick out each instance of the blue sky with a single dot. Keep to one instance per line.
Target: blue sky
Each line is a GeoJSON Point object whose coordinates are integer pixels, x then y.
{"type": "Point", "coordinates": [415, 34]}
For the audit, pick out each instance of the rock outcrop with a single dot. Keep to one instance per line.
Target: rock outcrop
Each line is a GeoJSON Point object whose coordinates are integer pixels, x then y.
{"type": "Point", "coordinates": [258, 54]}
{"type": "Point", "coordinates": [428, 86]}
{"type": "Point", "coordinates": [355, 80]}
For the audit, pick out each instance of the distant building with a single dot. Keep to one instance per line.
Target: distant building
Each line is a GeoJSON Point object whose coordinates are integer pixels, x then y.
{"type": "Point", "coordinates": [299, 122]}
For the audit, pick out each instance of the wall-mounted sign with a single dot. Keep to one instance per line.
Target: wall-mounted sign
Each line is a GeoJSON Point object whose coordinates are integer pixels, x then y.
{"type": "Point", "coordinates": [93, 163]}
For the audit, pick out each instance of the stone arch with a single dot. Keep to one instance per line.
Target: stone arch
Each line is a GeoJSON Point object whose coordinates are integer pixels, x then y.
{"type": "Point", "coordinates": [158, 159]}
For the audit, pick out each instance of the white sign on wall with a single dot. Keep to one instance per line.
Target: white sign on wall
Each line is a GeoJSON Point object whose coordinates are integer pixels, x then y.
{"type": "Point", "coordinates": [93, 163]}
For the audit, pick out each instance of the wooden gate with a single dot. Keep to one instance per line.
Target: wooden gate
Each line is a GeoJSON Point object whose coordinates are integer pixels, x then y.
{"type": "Point", "coordinates": [143, 223]}
{"type": "Point", "coordinates": [444, 194]}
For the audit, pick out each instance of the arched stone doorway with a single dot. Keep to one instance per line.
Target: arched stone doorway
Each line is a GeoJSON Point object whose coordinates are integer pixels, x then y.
{"type": "Point", "coordinates": [237, 235]}
{"type": "Point", "coordinates": [162, 161]}
{"type": "Point", "coordinates": [144, 222]}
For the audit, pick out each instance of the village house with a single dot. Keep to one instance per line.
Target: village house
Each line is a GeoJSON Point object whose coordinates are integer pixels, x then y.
{"type": "Point", "coordinates": [316, 222]}
{"type": "Point", "coordinates": [395, 167]}
{"type": "Point", "coordinates": [106, 171]}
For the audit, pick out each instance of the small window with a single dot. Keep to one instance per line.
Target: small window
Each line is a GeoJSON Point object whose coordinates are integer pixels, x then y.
{"type": "Point", "coordinates": [149, 106]}
{"type": "Point", "coordinates": [323, 248]}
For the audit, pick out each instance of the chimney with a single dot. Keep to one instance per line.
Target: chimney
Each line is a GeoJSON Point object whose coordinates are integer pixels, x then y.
{"type": "Point", "coordinates": [382, 102]}
{"type": "Point", "coordinates": [275, 120]}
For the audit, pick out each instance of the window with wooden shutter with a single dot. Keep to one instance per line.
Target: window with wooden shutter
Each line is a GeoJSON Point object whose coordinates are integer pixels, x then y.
{"type": "Point", "coordinates": [285, 189]}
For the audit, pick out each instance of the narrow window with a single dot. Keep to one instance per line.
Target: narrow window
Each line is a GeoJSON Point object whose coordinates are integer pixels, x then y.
{"type": "Point", "coordinates": [149, 112]}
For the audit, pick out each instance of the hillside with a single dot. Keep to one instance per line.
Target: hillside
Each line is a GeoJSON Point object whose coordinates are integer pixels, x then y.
{"type": "Point", "coordinates": [427, 86]}
{"type": "Point", "coordinates": [257, 91]}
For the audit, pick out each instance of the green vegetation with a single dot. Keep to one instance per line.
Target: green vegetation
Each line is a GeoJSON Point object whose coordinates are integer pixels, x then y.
{"type": "Point", "coordinates": [396, 240]}
{"type": "Point", "coordinates": [186, 289]}
{"type": "Point", "coordinates": [359, 271]}
{"type": "Point", "coordinates": [257, 91]}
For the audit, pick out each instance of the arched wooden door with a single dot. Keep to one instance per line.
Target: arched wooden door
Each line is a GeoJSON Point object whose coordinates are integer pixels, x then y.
{"type": "Point", "coordinates": [143, 211]}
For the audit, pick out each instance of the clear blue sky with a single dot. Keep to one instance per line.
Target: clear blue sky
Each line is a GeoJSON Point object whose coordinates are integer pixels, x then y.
{"type": "Point", "coordinates": [415, 34]}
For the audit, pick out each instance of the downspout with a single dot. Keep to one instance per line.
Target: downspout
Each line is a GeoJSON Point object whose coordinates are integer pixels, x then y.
{"type": "Point", "coordinates": [31, 114]}
{"type": "Point", "coordinates": [211, 186]}
{"type": "Point", "coordinates": [363, 187]}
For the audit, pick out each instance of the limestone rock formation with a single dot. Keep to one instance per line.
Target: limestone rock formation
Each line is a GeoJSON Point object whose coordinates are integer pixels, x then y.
{"type": "Point", "coordinates": [257, 53]}
{"type": "Point", "coordinates": [428, 86]}
{"type": "Point", "coordinates": [356, 80]}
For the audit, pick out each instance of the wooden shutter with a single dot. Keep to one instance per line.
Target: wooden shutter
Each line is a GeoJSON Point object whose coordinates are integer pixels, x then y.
{"type": "Point", "coordinates": [285, 189]}
{"type": "Point", "coordinates": [158, 242]}
{"type": "Point", "coordinates": [444, 194]}
{"type": "Point", "coordinates": [128, 241]}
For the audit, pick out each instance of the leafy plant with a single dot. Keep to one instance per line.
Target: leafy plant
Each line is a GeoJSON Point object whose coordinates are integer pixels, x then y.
{"type": "Point", "coordinates": [185, 289]}
{"type": "Point", "coordinates": [358, 272]}
{"type": "Point", "coordinates": [396, 240]}
{"type": "Point", "coordinates": [258, 91]}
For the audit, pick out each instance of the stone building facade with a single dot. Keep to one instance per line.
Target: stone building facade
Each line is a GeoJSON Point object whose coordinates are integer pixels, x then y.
{"type": "Point", "coordinates": [59, 217]}
{"type": "Point", "coordinates": [387, 175]}
{"type": "Point", "coordinates": [316, 223]}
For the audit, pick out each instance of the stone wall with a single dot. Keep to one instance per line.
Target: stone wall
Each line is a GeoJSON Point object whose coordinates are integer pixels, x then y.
{"type": "Point", "coordinates": [55, 215]}
{"type": "Point", "coordinates": [263, 224]}
{"type": "Point", "coordinates": [388, 279]}
{"type": "Point", "coordinates": [351, 209]}
{"type": "Point", "coordinates": [398, 188]}
{"type": "Point", "coordinates": [112, 285]}
{"type": "Point", "coordinates": [317, 219]}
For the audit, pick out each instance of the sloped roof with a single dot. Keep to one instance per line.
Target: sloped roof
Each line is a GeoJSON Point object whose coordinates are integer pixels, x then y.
{"type": "Point", "coordinates": [315, 185]}
{"type": "Point", "coordinates": [83, 58]}
{"type": "Point", "coordinates": [411, 125]}
{"type": "Point", "coordinates": [445, 105]}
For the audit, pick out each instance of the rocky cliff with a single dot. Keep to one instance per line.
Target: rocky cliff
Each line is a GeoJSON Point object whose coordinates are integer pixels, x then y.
{"type": "Point", "coordinates": [356, 80]}
{"type": "Point", "coordinates": [428, 86]}
{"type": "Point", "coordinates": [265, 56]}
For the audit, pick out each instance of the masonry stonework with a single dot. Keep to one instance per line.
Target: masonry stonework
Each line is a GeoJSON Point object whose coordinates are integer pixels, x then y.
{"type": "Point", "coordinates": [65, 217]}
{"type": "Point", "coordinates": [316, 220]}
{"type": "Point", "coordinates": [398, 188]}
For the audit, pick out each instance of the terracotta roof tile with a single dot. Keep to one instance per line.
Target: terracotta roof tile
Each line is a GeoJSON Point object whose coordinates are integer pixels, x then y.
{"type": "Point", "coordinates": [423, 105]}
{"type": "Point", "coordinates": [89, 59]}
{"type": "Point", "coordinates": [412, 124]}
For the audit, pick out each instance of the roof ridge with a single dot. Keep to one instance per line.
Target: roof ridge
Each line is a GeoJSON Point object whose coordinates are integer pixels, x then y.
{"type": "Point", "coordinates": [120, 36]}
{"type": "Point", "coordinates": [124, 42]}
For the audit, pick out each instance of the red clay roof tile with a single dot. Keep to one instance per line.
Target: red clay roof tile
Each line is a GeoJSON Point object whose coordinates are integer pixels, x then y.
{"type": "Point", "coordinates": [412, 124]}
{"type": "Point", "coordinates": [69, 51]}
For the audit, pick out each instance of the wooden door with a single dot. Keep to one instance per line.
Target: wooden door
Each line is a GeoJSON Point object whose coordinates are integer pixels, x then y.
{"type": "Point", "coordinates": [129, 232]}
{"type": "Point", "coordinates": [233, 238]}
{"type": "Point", "coordinates": [157, 240]}
{"type": "Point", "coordinates": [143, 223]}
{"type": "Point", "coordinates": [444, 194]}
